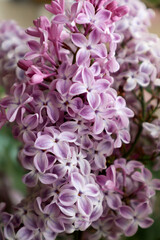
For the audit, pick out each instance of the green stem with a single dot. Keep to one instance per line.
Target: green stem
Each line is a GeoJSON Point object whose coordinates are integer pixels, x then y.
{"type": "Point", "coordinates": [126, 155]}
{"type": "Point", "coordinates": [143, 105]}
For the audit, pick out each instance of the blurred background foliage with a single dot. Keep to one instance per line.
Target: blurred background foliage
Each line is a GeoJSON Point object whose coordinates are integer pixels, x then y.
{"type": "Point", "coordinates": [152, 3]}
{"type": "Point", "coordinates": [9, 166]}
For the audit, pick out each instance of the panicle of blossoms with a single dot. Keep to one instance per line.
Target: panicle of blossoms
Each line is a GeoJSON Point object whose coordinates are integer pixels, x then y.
{"type": "Point", "coordinates": [122, 201]}
{"type": "Point", "coordinates": [69, 118]}
{"type": "Point", "coordinates": [13, 46]}
{"type": "Point", "coordinates": [68, 71]}
{"type": "Point", "coordinates": [139, 51]}
{"type": "Point", "coordinates": [128, 190]}
{"type": "Point", "coordinates": [66, 113]}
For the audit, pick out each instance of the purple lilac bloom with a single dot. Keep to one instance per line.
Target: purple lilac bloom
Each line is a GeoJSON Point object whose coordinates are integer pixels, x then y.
{"type": "Point", "coordinates": [138, 52]}
{"type": "Point", "coordinates": [13, 46]}
{"type": "Point", "coordinates": [71, 119]}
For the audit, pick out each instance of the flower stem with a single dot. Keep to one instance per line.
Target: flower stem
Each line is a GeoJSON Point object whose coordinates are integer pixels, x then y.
{"type": "Point", "coordinates": [127, 154]}
{"type": "Point", "coordinates": [77, 235]}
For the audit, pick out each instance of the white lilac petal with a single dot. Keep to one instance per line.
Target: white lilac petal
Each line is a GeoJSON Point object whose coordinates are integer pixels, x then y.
{"type": "Point", "coordinates": [122, 222]}
{"type": "Point", "coordinates": [94, 37]}
{"type": "Point", "coordinates": [132, 229]}
{"type": "Point", "coordinates": [12, 112]}
{"type": "Point", "coordinates": [152, 129]}
{"type": "Point", "coordinates": [78, 181]}
{"type": "Point", "coordinates": [87, 113]}
{"type": "Point", "coordinates": [68, 210]}
{"type": "Point", "coordinates": [69, 126]}
{"type": "Point", "coordinates": [56, 226]}
{"type": "Point", "coordinates": [82, 56]}
{"type": "Point", "coordinates": [143, 79]}
{"type": "Point", "coordinates": [44, 142]}
{"type": "Point", "coordinates": [89, 9]}
{"type": "Point", "coordinates": [24, 234]}
{"type": "Point", "coordinates": [91, 190]}
{"type": "Point", "coordinates": [87, 77]}
{"type": "Point", "coordinates": [97, 212]}
{"type": "Point", "coordinates": [130, 84]}
{"type": "Point", "coordinates": [100, 161]}
{"type": "Point", "coordinates": [155, 184]}
{"type": "Point", "coordinates": [41, 161]}
{"type": "Point", "coordinates": [137, 176]}
{"type": "Point", "coordinates": [68, 136]}
{"type": "Point", "coordinates": [99, 50]}
{"type": "Point", "coordinates": [126, 212]}
{"type": "Point", "coordinates": [112, 65]}
{"type": "Point", "coordinates": [146, 173]}
{"type": "Point", "coordinates": [145, 223]}
{"type": "Point", "coordinates": [68, 197]}
{"type": "Point", "coordinates": [85, 167]}
{"type": "Point", "coordinates": [9, 231]}
{"type": "Point", "coordinates": [113, 201]}
{"type": "Point", "coordinates": [98, 126]}
{"type": "Point", "coordinates": [125, 136]}
{"type": "Point", "coordinates": [79, 40]}
{"type": "Point", "coordinates": [61, 149]}
{"type": "Point", "coordinates": [93, 99]}
{"type": "Point", "coordinates": [53, 112]}
{"type": "Point", "coordinates": [101, 85]}
{"type": "Point", "coordinates": [82, 19]}
{"type": "Point", "coordinates": [60, 19]}
{"type": "Point", "coordinates": [77, 89]}
{"type": "Point", "coordinates": [142, 210]}
{"type": "Point", "coordinates": [103, 16]}
{"type": "Point", "coordinates": [30, 179]}
{"type": "Point", "coordinates": [84, 205]}
{"type": "Point", "coordinates": [47, 178]}
{"type": "Point", "coordinates": [49, 234]}
{"type": "Point", "coordinates": [30, 221]}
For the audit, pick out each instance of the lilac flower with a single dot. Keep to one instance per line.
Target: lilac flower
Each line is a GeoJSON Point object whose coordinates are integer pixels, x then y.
{"type": "Point", "coordinates": [71, 116]}
{"type": "Point", "coordinates": [88, 47]}
{"type": "Point", "coordinates": [91, 87]}
{"type": "Point", "coordinates": [13, 47]}
{"type": "Point", "coordinates": [83, 194]}
{"type": "Point", "coordinates": [145, 176]}
{"type": "Point", "coordinates": [135, 218]}
{"type": "Point", "coordinates": [56, 140]}
{"type": "Point", "coordinates": [98, 20]}
{"type": "Point", "coordinates": [15, 103]}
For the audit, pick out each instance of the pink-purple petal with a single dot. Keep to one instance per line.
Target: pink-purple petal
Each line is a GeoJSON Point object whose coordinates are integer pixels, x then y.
{"type": "Point", "coordinates": [44, 142]}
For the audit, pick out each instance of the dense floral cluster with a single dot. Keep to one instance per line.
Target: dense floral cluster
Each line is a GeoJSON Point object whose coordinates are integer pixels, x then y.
{"type": "Point", "coordinates": [116, 203]}
{"type": "Point", "coordinates": [13, 46]}
{"type": "Point", "coordinates": [139, 52]}
{"type": "Point", "coordinates": [71, 120]}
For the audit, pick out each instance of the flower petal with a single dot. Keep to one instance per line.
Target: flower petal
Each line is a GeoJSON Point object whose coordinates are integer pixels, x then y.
{"type": "Point", "coordinates": [77, 88]}
{"type": "Point", "coordinates": [85, 205]}
{"type": "Point", "coordinates": [68, 197]}
{"type": "Point", "coordinates": [78, 181]}
{"type": "Point", "coordinates": [79, 40]}
{"type": "Point", "coordinates": [44, 142]}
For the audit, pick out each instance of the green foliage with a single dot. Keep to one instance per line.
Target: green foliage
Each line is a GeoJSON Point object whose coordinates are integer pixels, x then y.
{"type": "Point", "coordinates": [9, 148]}
{"type": "Point", "coordinates": [153, 3]}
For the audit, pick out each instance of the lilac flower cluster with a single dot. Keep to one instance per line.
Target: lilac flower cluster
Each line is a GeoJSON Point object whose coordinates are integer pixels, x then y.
{"type": "Point", "coordinates": [139, 51]}
{"type": "Point", "coordinates": [71, 120]}
{"type": "Point", "coordinates": [13, 46]}
{"type": "Point", "coordinates": [117, 203]}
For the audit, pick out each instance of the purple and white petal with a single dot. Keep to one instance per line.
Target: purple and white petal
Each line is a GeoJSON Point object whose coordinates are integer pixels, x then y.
{"type": "Point", "coordinates": [44, 142]}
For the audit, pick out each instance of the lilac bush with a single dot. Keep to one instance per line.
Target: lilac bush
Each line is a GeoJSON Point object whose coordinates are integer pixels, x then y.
{"type": "Point", "coordinates": [78, 107]}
